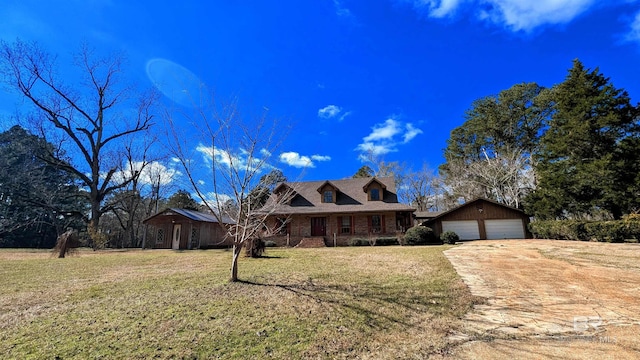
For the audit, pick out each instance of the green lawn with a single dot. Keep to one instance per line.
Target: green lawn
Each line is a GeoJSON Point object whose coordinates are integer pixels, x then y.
{"type": "Point", "coordinates": [367, 302]}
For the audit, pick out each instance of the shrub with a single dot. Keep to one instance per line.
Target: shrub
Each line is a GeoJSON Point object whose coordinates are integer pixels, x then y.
{"type": "Point", "coordinates": [609, 231]}
{"type": "Point", "coordinates": [420, 235]}
{"type": "Point", "coordinates": [359, 242]}
{"type": "Point", "coordinates": [386, 241]}
{"type": "Point", "coordinates": [449, 237]}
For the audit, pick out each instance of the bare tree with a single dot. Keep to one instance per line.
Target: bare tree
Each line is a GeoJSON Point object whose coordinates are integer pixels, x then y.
{"type": "Point", "coordinates": [421, 189]}
{"type": "Point", "coordinates": [506, 177]}
{"type": "Point", "coordinates": [89, 118]}
{"type": "Point", "coordinates": [381, 168]}
{"type": "Point", "coordinates": [237, 153]}
{"type": "Point", "coordinates": [133, 203]}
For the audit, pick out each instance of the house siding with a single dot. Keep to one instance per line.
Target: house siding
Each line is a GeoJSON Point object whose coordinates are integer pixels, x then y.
{"type": "Point", "coordinates": [479, 211]}
{"type": "Point", "coordinates": [210, 235]}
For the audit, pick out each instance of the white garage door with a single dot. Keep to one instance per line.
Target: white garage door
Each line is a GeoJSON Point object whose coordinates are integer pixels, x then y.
{"type": "Point", "coordinates": [466, 229]}
{"type": "Point", "coordinates": [504, 229]}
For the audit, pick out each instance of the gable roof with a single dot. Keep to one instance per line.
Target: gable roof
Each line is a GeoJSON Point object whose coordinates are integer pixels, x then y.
{"type": "Point", "coordinates": [444, 213]}
{"type": "Point", "coordinates": [327, 182]}
{"type": "Point", "coordinates": [191, 215]}
{"type": "Point", "coordinates": [374, 179]}
{"type": "Point", "coordinates": [350, 197]}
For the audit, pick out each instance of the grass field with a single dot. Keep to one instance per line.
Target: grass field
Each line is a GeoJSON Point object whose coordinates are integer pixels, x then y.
{"type": "Point", "coordinates": [354, 302]}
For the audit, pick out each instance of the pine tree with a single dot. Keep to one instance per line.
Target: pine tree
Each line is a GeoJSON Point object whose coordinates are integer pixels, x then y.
{"type": "Point", "coordinates": [581, 159]}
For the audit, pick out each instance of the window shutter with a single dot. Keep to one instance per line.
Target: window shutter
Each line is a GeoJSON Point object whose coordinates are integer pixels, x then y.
{"type": "Point", "coordinates": [353, 225]}
{"type": "Point", "coordinates": [383, 230]}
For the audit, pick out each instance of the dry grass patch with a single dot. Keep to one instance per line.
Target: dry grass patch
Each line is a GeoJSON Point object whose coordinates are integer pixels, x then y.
{"type": "Point", "coordinates": [391, 302]}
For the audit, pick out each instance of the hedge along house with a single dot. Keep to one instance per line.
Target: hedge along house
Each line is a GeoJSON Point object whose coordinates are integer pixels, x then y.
{"type": "Point", "coordinates": [482, 219]}
{"type": "Point", "coordinates": [331, 213]}
{"type": "Point", "coordinates": [186, 229]}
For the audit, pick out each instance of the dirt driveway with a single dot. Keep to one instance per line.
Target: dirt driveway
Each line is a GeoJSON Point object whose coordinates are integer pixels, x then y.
{"type": "Point", "coordinates": [550, 299]}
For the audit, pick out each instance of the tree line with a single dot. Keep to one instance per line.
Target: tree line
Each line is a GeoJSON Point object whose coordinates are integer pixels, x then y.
{"type": "Point", "coordinates": [571, 151]}
{"type": "Point", "coordinates": [87, 160]}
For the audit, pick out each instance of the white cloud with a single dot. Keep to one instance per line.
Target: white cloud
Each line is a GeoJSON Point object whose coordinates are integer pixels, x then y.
{"type": "Point", "coordinates": [329, 111]}
{"type": "Point", "coordinates": [294, 159]}
{"type": "Point", "coordinates": [385, 131]}
{"type": "Point", "coordinates": [343, 116]}
{"type": "Point", "coordinates": [150, 173]}
{"type": "Point", "coordinates": [634, 33]}
{"type": "Point", "coordinates": [237, 161]}
{"type": "Point", "coordinates": [411, 133]}
{"type": "Point", "coordinates": [211, 199]}
{"type": "Point", "coordinates": [527, 15]}
{"type": "Point", "coordinates": [517, 15]}
{"type": "Point", "coordinates": [333, 111]}
{"type": "Point", "coordinates": [385, 138]}
{"type": "Point", "coordinates": [340, 9]}
{"type": "Point", "coordinates": [320, 157]}
{"type": "Point", "coordinates": [438, 8]}
{"type": "Point", "coordinates": [375, 149]}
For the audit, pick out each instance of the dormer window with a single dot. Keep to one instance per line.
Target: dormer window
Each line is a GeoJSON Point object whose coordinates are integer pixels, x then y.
{"type": "Point", "coordinates": [328, 196]}
{"type": "Point", "coordinates": [374, 189]}
{"type": "Point", "coordinates": [328, 192]}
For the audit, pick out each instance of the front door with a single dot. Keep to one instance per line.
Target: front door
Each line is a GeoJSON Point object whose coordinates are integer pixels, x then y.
{"type": "Point", "coordinates": [318, 226]}
{"type": "Point", "coordinates": [175, 244]}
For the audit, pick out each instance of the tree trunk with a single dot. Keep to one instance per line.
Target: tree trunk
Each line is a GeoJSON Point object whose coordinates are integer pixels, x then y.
{"type": "Point", "coordinates": [237, 249]}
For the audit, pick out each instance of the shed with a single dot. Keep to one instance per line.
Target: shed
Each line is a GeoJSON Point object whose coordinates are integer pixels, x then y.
{"type": "Point", "coordinates": [482, 219]}
{"type": "Point", "coordinates": [186, 229]}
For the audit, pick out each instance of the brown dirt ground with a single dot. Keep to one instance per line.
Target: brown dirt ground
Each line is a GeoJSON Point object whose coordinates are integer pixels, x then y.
{"type": "Point", "coordinates": [550, 299]}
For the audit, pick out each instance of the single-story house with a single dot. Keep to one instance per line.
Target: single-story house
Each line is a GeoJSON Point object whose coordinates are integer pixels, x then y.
{"type": "Point", "coordinates": [186, 229]}
{"type": "Point", "coordinates": [482, 219]}
{"type": "Point", "coordinates": [332, 212]}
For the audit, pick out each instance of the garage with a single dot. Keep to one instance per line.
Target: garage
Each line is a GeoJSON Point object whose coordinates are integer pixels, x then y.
{"type": "Point", "coordinates": [504, 229]}
{"type": "Point", "coordinates": [466, 229]}
{"type": "Point", "coordinates": [481, 219]}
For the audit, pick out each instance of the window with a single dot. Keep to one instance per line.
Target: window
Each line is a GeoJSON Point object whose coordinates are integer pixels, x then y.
{"type": "Point", "coordinates": [195, 234]}
{"type": "Point", "coordinates": [345, 224]}
{"type": "Point", "coordinates": [328, 196]}
{"type": "Point", "coordinates": [375, 194]}
{"type": "Point", "coordinates": [160, 236]}
{"type": "Point", "coordinates": [376, 224]}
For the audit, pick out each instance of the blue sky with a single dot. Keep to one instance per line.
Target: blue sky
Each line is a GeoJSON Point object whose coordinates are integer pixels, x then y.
{"type": "Point", "coordinates": [389, 76]}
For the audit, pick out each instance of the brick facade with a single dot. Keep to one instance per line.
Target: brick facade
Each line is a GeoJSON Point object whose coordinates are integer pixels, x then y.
{"type": "Point", "coordinates": [299, 227]}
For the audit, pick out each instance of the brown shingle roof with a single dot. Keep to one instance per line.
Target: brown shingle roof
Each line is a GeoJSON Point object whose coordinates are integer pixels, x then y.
{"type": "Point", "coordinates": [351, 198]}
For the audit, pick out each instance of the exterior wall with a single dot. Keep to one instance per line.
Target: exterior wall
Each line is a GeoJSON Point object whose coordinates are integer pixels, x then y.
{"type": "Point", "coordinates": [213, 236]}
{"type": "Point", "coordinates": [480, 211]}
{"type": "Point", "coordinates": [165, 241]}
{"type": "Point", "coordinates": [209, 235]}
{"type": "Point", "coordinates": [299, 227]}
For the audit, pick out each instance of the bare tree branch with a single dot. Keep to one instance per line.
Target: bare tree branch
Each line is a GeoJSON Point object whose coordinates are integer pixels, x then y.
{"type": "Point", "coordinates": [87, 118]}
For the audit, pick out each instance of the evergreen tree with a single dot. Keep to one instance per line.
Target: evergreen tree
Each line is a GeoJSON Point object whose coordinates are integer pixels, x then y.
{"type": "Point", "coordinates": [513, 120]}
{"type": "Point", "coordinates": [182, 200]}
{"type": "Point", "coordinates": [364, 172]}
{"type": "Point", "coordinates": [490, 155]}
{"type": "Point", "coordinates": [585, 153]}
{"type": "Point", "coordinates": [38, 201]}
